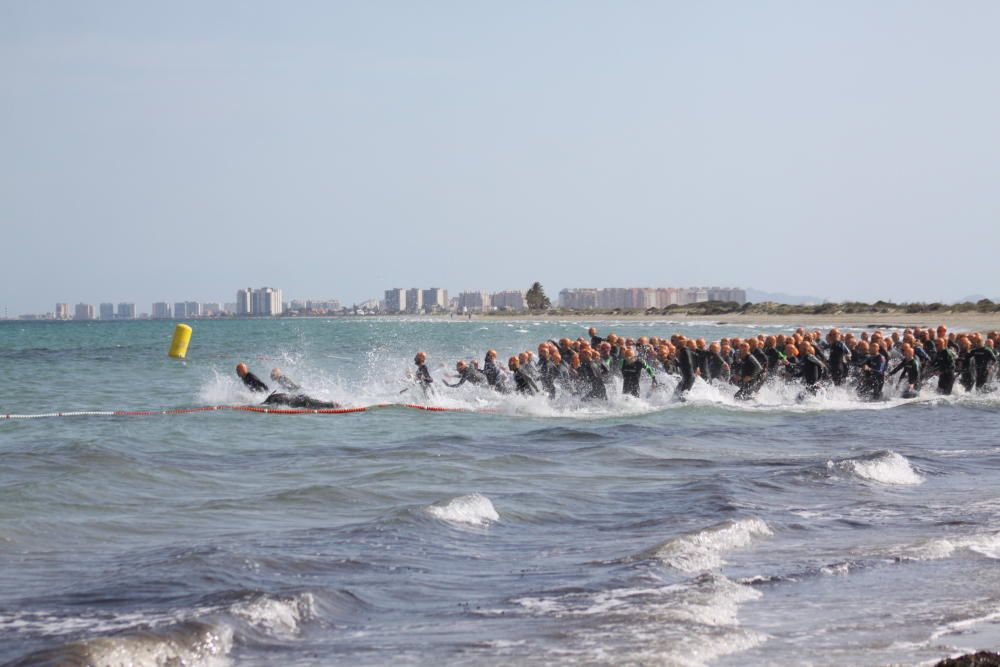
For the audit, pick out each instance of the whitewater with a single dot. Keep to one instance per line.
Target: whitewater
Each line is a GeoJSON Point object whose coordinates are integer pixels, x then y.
{"type": "Point", "coordinates": [511, 530]}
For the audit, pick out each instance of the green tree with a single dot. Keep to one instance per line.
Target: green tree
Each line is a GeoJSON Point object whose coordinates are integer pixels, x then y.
{"type": "Point", "coordinates": [536, 298]}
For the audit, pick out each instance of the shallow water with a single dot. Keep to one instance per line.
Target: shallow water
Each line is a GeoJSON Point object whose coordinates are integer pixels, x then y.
{"type": "Point", "coordinates": [638, 532]}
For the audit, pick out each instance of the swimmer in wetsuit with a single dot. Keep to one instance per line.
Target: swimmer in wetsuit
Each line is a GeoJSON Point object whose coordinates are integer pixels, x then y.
{"type": "Point", "coordinates": [944, 363]}
{"type": "Point", "coordinates": [749, 370]}
{"type": "Point", "coordinates": [286, 383]}
{"type": "Point", "coordinates": [252, 382]}
{"type": "Point", "coordinates": [593, 373]}
{"type": "Point", "coordinates": [686, 365]}
{"type": "Point", "coordinates": [812, 368]}
{"type": "Point", "coordinates": [522, 381]}
{"type": "Point", "coordinates": [984, 357]}
{"type": "Point", "coordinates": [467, 373]}
{"type": "Point", "coordinates": [255, 385]}
{"type": "Point", "coordinates": [911, 365]}
{"type": "Point", "coordinates": [494, 377]}
{"type": "Point", "coordinates": [632, 368]}
{"type": "Point", "coordinates": [423, 378]}
{"type": "Point", "coordinates": [839, 357]}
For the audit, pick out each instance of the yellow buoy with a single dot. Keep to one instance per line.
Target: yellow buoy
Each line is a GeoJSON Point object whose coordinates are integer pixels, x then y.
{"type": "Point", "coordinates": [179, 345]}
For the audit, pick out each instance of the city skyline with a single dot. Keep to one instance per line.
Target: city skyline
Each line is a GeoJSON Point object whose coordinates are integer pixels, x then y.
{"type": "Point", "coordinates": [268, 301]}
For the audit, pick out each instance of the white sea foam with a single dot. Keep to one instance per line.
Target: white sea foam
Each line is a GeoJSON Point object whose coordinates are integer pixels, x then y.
{"type": "Point", "coordinates": [191, 644]}
{"type": "Point", "coordinates": [379, 377]}
{"type": "Point", "coordinates": [689, 623]}
{"type": "Point", "coordinates": [964, 625]}
{"type": "Point", "coordinates": [704, 549]}
{"type": "Point", "coordinates": [984, 544]}
{"type": "Point", "coordinates": [886, 467]}
{"type": "Point", "coordinates": [277, 616]}
{"type": "Point", "coordinates": [474, 509]}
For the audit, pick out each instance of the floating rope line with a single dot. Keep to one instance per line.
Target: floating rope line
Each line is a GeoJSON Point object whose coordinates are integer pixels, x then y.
{"type": "Point", "coordinates": [244, 408]}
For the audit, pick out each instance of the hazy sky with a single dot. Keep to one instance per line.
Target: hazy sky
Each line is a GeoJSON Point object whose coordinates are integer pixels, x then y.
{"type": "Point", "coordinates": [178, 151]}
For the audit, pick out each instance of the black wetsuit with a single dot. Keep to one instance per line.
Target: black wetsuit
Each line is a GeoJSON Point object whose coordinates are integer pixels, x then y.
{"type": "Point", "coordinates": [592, 381]}
{"type": "Point", "coordinates": [839, 357]}
{"type": "Point", "coordinates": [595, 341]}
{"type": "Point", "coordinates": [493, 376]}
{"type": "Point", "coordinates": [701, 362]}
{"type": "Point", "coordinates": [471, 375]}
{"type": "Point", "coordinates": [562, 378]}
{"type": "Point", "coordinates": [966, 368]}
{"type": "Point", "coordinates": [253, 383]}
{"type": "Point", "coordinates": [944, 364]}
{"type": "Point", "coordinates": [912, 368]}
{"type": "Point", "coordinates": [287, 400]}
{"type": "Point", "coordinates": [686, 366]}
{"type": "Point", "coordinates": [750, 370]}
{"type": "Point", "coordinates": [424, 379]}
{"type": "Point", "coordinates": [716, 366]}
{"type": "Point", "coordinates": [984, 357]}
{"type": "Point", "coordinates": [872, 377]}
{"type": "Point", "coordinates": [631, 372]}
{"type": "Point", "coordinates": [546, 374]}
{"type": "Point", "coordinates": [299, 401]}
{"type": "Point", "coordinates": [523, 383]}
{"type": "Point", "coordinates": [761, 358]}
{"type": "Point", "coordinates": [812, 371]}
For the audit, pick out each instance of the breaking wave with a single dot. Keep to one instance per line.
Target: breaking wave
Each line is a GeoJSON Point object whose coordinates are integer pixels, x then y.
{"type": "Point", "coordinates": [689, 623]}
{"type": "Point", "coordinates": [198, 637]}
{"type": "Point", "coordinates": [885, 467]}
{"type": "Point", "coordinates": [704, 549]}
{"type": "Point", "coordinates": [473, 509]}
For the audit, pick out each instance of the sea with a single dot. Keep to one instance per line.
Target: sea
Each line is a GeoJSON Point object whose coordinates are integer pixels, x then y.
{"type": "Point", "coordinates": [502, 531]}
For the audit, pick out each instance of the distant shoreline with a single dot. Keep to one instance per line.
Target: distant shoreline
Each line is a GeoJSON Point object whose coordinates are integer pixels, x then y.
{"type": "Point", "coordinates": [975, 321]}
{"type": "Point", "coordinates": [967, 320]}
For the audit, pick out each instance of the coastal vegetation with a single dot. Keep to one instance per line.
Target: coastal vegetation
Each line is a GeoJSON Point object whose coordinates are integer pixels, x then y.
{"type": "Point", "coordinates": [985, 306]}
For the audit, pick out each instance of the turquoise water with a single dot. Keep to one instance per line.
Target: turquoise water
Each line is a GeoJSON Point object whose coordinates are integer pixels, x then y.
{"type": "Point", "coordinates": [524, 531]}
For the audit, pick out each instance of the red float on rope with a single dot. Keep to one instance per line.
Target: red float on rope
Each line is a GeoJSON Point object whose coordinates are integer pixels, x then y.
{"type": "Point", "coordinates": [246, 408]}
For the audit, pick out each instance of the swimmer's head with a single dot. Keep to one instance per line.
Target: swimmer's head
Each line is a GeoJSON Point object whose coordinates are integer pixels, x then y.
{"type": "Point", "coordinates": [420, 358]}
{"type": "Point", "coordinates": [242, 370]}
{"type": "Point", "coordinates": [276, 373]}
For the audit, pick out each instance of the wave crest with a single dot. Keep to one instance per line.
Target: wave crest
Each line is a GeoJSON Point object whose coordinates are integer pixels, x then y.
{"type": "Point", "coordinates": [886, 467]}
{"type": "Point", "coordinates": [703, 550]}
{"type": "Point", "coordinates": [474, 509]}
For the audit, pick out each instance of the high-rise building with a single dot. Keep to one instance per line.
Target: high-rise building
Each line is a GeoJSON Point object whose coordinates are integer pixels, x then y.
{"type": "Point", "coordinates": [646, 297]}
{"type": "Point", "coordinates": [126, 311]}
{"type": "Point", "coordinates": [161, 311]}
{"type": "Point", "coordinates": [62, 311]}
{"type": "Point", "coordinates": [84, 311]}
{"type": "Point", "coordinates": [211, 309]}
{"type": "Point", "coordinates": [244, 302]}
{"type": "Point", "coordinates": [414, 300]}
{"type": "Point", "coordinates": [508, 300]}
{"type": "Point", "coordinates": [107, 311]}
{"type": "Point", "coordinates": [473, 302]}
{"type": "Point", "coordinates": [180, 310]}
{"type": "Point", "coordinates": [395, 300]}
{"type": "Point", "coordinates": [434, 299]}
{"type": "Point", "coordinates": [193, 309]}
{"type": "Point", "coordinates": [267, 302]}
{"type": "Point", "coordinates": [578, 298]}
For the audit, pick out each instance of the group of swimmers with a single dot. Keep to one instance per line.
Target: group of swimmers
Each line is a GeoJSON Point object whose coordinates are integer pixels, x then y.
{"type": "Point", "coordinates": [586, 368]}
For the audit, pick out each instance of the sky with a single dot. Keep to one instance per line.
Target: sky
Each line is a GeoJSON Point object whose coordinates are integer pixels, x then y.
{"type": "Point", "coordinates": [180, 151]}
